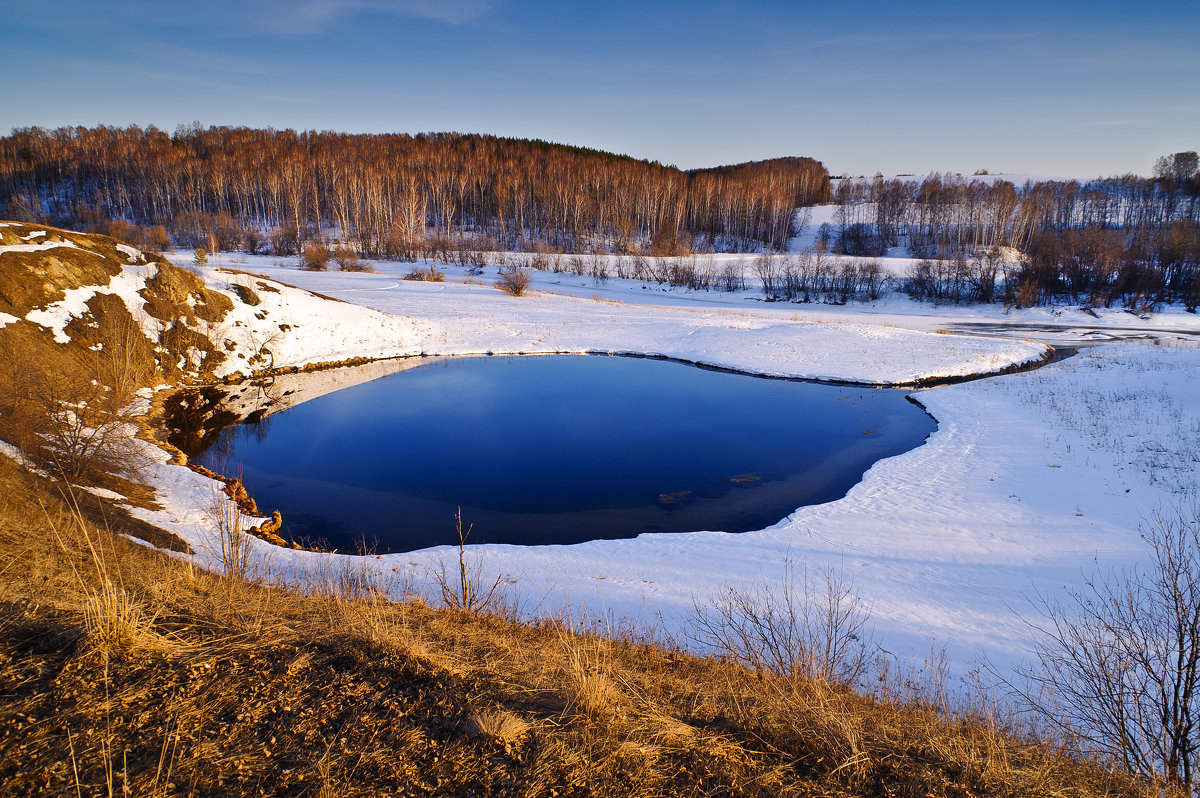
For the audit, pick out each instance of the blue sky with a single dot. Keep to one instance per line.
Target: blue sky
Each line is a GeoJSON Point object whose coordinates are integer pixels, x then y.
{"type": "Point", "coordinates": [1058, 88]}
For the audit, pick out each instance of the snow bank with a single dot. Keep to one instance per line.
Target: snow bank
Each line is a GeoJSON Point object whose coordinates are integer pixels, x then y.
{"type": "Point", "coordinates": [293, 328]}
{"type": "Point", "coordinates": [474, 318]}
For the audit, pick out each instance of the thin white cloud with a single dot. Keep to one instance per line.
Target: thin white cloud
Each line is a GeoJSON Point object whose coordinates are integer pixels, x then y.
{"type": "Point", "coordinates": [311, 16]}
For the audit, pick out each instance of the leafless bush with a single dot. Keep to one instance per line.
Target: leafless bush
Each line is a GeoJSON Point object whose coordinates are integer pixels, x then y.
{"type": "Point", "coordinates": [598, 265]}
{"type": "Point", "coordinates": [731, 278]}
{"type": "Point", "coordinates": [814, 628]}
{"type": "Point", "coordinates": [71, 422]}
{"type": "Point", "coordinates": [430, 274]}
{"type": "Point", "coordinates": [1119, 660]}
{"type": "Point", "coordinates": [347, 259]}
{"type": "Point", "coordinates": [514, 281]}
{"type": "Point", "coordinates": [871, 278]}
{"type": "Point", "coordinates": [284, 241]}
{"type": "Point", "coordinates": [315, 256]}
{"type": "Point", "coordinates": [767, 270]}
{"type": "Point", "coordinates": [440, 248]}
{"type": "Point", "coordinates": [252, 241]}
{"type": "Point", "coordinates": [641, 268]}
{"type": "Point", "coordinates": [465, 591]}
{"type": "Point", "coordinates": [469, 251]}
{"type": "Point", "coordinates": [234, 544]}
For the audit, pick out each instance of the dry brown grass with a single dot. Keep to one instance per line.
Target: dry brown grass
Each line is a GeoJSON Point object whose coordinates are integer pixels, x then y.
{"type": "Point", "coordinates": [35, 279]}
{"type": "Point", "coordinates": [122, 668]}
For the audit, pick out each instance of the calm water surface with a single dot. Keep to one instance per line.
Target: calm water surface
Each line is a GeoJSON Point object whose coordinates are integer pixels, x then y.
{"type": "Point", "coordinates": [560, 449]}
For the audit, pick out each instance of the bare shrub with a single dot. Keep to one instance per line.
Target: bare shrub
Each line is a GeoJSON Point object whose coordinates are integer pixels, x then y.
{"type": "Point", "coordinates": [731, 278]}
{"type": "Point", "coordinates": [233, 543]}
{"type": "Point", "coordinates": [348, 260]}
{"type": "Point", "coordinates": [465, 591]}
{"type": "Point", "coordinates": [156, 238]}
{"type": "Point", "coordinates": [513, 281]}
{"type": "Point", "coordinates": [539, 260]}
{"type": "Point", "coordinates": [813, 628]}
{"type": "Point", "coordinates": [767, 269]}
{"type": "Point", "coordinates": [1119, 660]}
{"type": "Point", "coordinates": [316, 256]}
{"type": "Point", "coordinates": [430, 274]}
{"type": "Point", "coordinates": [598, 266]}
{"type": "Point", "coordinates": [252, 241]}
{"type": "Point", "coordinates": [71, 422]}
{"type": "Point", "coordinates": [284, 241]}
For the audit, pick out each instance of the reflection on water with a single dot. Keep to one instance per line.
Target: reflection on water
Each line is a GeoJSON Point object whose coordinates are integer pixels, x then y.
{"type": "Point", "coordinates": [560, 449]}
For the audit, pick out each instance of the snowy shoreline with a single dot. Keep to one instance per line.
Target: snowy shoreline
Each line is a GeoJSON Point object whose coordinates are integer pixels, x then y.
{"type": "Point", "coordinates": [1030, 481]}
{"type": "Point", "coordinates": [1015, 493]}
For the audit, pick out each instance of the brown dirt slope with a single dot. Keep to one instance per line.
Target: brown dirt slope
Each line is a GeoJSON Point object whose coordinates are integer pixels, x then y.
{"type": "Point", "coordinates": [32, 279]}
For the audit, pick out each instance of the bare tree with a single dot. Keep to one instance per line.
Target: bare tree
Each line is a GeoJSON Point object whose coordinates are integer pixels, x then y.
{"type": "Point", "coordinates": [1119, 660]}
{"type": "Point", "coordinates": [803, 627]}
{"type": "Point", "coordinates": [73, 423]}
{"type": "Point", "coordinates": [1179, 166]}
{"type": "Point", "coordinates": [466, 592]}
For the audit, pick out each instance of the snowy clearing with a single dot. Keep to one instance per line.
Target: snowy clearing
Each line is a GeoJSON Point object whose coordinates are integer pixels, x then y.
{"type": "Point", "coordinates": [469, 316]}
{"type": "Point", "coordinates": [1030, 481]}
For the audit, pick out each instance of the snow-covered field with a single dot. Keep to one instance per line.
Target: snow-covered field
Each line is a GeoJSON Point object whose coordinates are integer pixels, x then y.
{"type": "Point", "coordinates": [1030, 481]}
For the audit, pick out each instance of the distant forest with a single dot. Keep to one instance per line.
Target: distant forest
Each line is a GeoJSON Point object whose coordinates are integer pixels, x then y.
{"type": "Point", "coordinates": [1130, 239]}
{"type": "Point", "coordinates": [242, 188]}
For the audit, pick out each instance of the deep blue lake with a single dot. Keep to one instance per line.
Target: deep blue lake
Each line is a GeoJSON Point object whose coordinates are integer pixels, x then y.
{"type": "Point", "coordinates": [560, 449]}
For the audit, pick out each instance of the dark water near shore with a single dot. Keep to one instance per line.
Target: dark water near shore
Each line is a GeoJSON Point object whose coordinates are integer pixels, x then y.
{"type": "Point", "coordinates": [560, 449]}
